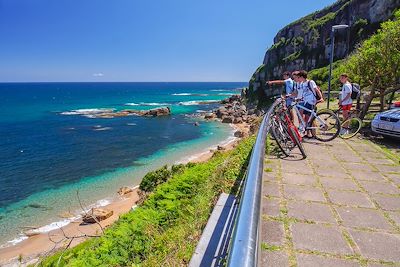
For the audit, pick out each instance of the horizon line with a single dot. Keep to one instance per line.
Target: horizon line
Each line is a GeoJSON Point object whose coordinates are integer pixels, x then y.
{"type": "Point", "coordinates": [123, 81]}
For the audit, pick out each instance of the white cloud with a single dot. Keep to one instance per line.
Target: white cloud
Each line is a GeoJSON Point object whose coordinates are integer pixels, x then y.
{"type": "Point", "coordinates": [98, 74]}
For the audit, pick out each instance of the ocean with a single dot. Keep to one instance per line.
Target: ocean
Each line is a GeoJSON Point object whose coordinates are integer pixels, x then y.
{"type": "Point", "coordinates": [52, 147]}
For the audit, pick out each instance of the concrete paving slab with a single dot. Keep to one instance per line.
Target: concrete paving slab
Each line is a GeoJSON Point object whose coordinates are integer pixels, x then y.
{"type": "Point", "coordinates": [315, 212]}
{"type": "Point", "coordinates": [368, 218]}
{"type": "Point", "coordinates": [270, 207]}
{"type": "Point", "coordinates": [319, 238]}
{"type": "Point", "coordinates": [309, 260]}
{"type": "Point", "coordinates": [300, 179]}
{"type": "Point", "coordinates": [358, 166]}
{"type": "Point", "coordinates": [356, 199]}
{"type": "Point", "coordinates": [332, 173]}
{"type": "Point", "coordinates": [388, 202]}
{"type": "Point", "coordinates": [274, 259]}
{"type": "Point", "coordinates": [271, 189]}
{"type": "Point", "coordinates": [303, 193]}
{"type": "Point", "coordinates": [367, 175]}
{"type": "Point", "coordinates": [395, 216]}
{"type": "Point", "coordinates": [380, 246]}
{"type": "Point", "coordinates": [272, 232]}
{"type": "Point", "coordinates": [374, 187]}
{"type": "Point", "coordinates": [339, 183]}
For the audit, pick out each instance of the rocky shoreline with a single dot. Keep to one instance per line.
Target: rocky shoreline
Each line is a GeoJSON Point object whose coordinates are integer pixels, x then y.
{"type": "Point", "coordinates": [243, 119]}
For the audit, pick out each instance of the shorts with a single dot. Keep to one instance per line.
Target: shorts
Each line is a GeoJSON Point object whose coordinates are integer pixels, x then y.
{"type": "Point", "coordinates": [308, 106]}
{"type": "Point", "coordinates": [347, 107]}
{"type": "Point", "coordinates": [289, 101]}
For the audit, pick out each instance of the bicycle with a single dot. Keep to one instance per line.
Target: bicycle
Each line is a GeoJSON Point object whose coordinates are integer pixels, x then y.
{"type": "Point", "coordinates": [284, 131]}
{"type": "Point", "coordinates": [351, 126]}
{"type": "Point", "coordinates": [324, 124]}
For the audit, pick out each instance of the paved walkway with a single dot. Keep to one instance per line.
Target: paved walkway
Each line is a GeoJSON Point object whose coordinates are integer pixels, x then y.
{"type": "Point", "coordinates": [339, 207]}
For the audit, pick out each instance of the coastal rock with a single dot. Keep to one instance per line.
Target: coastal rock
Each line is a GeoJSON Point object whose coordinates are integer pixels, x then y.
{"type": "Point", "coordinates": [239, 134]}
{"type": "Point", "coordinates": [142, 196]}
{"type": "Point", "coordinates": [253, 128]}
{"type": "Point", "coordinates": [97, 214]}
{"type": "Point", "coordinates": [220, 148]}
{"type": "Point", "coordinates": [243, 108]}
{"type": "Point", "coordinates": [259, 113]}
{"type": "Point", "coordinates": [227, 119]}
{"type": "Point", "coordinates": [155, 112]}
{"type": "Point", "coordinates": [196, 124]}
{"type": "Point", "coordinates": [222, 111]}
{"type": "Point", "coordinates": [210, 116]}
{"type": "Point", "coordinates": [237, 120]}
{"type": "Point", "coordinates": [66, 214]}
{"type": "Point", "coordinates": [31, 232]}
{"type": "Point", "coordinates": [251, 111]}
{"type": "Point", "coordinates": [124, 190]}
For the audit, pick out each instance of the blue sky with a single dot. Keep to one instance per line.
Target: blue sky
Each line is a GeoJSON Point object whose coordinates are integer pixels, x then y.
{"type": "Point", "coordinates": [140, 40]}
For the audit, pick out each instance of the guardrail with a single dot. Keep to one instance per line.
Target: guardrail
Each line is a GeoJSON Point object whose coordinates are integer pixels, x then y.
{"type": "Point", "coordinates": [245, 239]}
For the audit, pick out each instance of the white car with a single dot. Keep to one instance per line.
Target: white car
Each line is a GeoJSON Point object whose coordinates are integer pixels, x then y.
{"type": "Point", "coordinates": [387, 123]}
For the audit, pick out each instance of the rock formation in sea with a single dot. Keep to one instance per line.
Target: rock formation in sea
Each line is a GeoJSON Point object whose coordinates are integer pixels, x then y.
{"type": "Point", "coordinates": [155, 112]}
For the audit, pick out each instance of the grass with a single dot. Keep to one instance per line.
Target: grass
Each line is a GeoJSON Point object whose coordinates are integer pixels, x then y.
{"type": "Point", "coordinates": [165, 229]}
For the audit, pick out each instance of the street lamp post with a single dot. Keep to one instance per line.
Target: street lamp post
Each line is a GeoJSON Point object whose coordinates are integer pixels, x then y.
{"type": "Point", "coordinates": [335, 27]}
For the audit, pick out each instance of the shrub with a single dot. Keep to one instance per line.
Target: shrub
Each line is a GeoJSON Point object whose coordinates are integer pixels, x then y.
{"type": "Point", "coordinates": [154, 178]}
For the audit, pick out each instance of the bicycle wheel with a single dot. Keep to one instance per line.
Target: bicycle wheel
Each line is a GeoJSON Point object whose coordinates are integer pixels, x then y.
{"type": "Point", "coordinates": [281, 137]}
{"type": "Point", "coordinates": [325, 126]}
{"type": "Point", "coordinates": [350, 128]}
{"type": "Point", "coordinates": [297, 142]}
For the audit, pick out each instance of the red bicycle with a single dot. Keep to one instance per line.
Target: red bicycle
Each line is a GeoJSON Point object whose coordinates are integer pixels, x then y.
{"type": "Point", "coordinates": [284, 131]}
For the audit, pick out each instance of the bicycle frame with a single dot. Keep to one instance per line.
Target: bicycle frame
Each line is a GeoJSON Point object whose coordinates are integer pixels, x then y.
{"type": "Point", "coordinates": [285, 117]}
{"type": "Point", "coordinates": [305, 125]}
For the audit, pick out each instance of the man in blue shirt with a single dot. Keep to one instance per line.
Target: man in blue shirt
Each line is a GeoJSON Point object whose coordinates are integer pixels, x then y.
{"type": "Point", "coordinates": [289, 85]}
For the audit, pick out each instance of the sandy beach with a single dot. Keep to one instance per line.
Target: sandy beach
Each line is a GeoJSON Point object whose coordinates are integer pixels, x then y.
{"type": "Point", "coordinates": [43, 244]}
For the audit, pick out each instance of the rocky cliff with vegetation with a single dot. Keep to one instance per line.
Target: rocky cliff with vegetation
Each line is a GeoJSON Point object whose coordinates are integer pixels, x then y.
{"type": "Point", "coordinates": [305, 43]}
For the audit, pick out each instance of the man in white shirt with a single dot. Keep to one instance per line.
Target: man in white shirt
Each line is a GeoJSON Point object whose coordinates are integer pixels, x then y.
{"type": "Point", "coordinates": [307, 91]}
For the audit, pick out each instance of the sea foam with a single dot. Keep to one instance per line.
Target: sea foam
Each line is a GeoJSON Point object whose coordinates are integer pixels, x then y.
{"type": "Point", "coordinates": [197, 102]}
{"type": "Point", "coordinates": [87, 111]}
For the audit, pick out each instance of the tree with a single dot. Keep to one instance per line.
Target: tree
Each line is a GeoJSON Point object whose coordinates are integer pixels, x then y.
{"type": "Point", "coordinates": [376, 62]}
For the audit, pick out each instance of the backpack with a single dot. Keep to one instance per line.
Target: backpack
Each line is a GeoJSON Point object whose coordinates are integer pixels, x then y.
{"type": "Point", "coordinates": [355, 91]}
{"type": "Point", "coordinates": [316, 94]}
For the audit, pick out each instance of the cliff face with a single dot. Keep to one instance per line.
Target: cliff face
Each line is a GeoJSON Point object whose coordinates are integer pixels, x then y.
{"type": "Point", "coordinates": [305, 43]}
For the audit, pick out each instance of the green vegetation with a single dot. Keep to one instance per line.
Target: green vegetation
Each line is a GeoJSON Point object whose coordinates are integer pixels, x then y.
{"type": "Point", "coordinates": [292, 56]}
{"type": "Point", "coordinates": [316, 23]}
{"type": "Point", "coordinates": [165, 229]}
{"type": "Point", "coordinates": [152, 179]}
{"type": "Point", "coordinates": [375, 65]}
{"type": "Point", "coordinates": [321, 75]}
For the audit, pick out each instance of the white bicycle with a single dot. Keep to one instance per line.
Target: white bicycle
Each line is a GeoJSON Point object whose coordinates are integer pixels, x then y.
{"type": "Point", "coordinates": [324, 124]}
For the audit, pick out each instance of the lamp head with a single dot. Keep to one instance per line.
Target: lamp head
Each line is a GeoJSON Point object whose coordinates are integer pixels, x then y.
{"type": "Point", "coordinates": [338, 27]}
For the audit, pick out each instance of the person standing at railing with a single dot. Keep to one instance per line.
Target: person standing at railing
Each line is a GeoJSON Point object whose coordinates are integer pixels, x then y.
{"type": "Point", "coordinates": [289, 86]}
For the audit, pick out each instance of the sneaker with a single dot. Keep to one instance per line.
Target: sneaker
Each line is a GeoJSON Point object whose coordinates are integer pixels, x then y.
{"type": "Point", "coordinates": [344, 131]}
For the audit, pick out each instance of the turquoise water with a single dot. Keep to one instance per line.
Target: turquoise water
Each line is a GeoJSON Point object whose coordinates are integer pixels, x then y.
{"type": "Point", "coordinates": [47, 156]}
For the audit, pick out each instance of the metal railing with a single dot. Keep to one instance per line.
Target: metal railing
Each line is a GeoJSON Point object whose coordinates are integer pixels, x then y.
{"type": "Point", "coordinates": [244, 250]}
